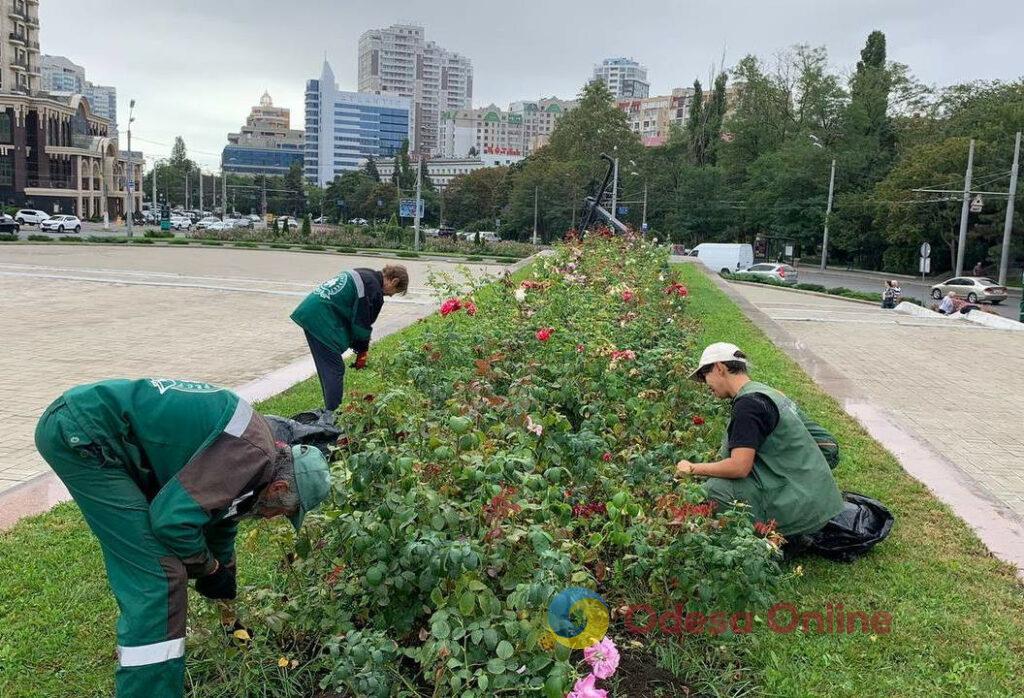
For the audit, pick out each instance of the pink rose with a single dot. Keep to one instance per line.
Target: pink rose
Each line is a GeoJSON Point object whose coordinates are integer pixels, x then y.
{"type": "Point", "coordinates": [544, 334]}
{"type": "Point", "coordinates": [450, 306]}
{"type": "Point", "coordinates": [603, 658]}
{"type": "Point", "coordinates": [585, 688]}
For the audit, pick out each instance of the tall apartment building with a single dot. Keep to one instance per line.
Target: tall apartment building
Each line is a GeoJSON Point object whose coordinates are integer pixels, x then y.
{"type": "Point", "coordinates": [343, 128]}
{"type": "Point", "coordinates": [539, 119]}
{"type": "Point", "coordinates": [484, 131]}
{"type": "Point", "coordinates": [625, 78]}
{"type": "Point", "coordinates": [62, 76]}
{"type": "Point", "coordinates": [652, 117]}
{"type": "Point", "coordinates": [399, 61]}
{"type": "Point", "coordinates": [19, 47]}
{"type": "Point", "coordinates": [266, 143]}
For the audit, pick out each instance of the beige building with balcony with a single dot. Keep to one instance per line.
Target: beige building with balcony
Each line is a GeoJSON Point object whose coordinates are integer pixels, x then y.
{"type": "Point", "coordinates": [19, 46]}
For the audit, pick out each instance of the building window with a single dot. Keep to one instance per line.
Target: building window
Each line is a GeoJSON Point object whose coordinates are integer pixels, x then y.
{"type": "Point", "coordinates": [6, 171]}
{"type": "Point", "coordinates": [6, 128]}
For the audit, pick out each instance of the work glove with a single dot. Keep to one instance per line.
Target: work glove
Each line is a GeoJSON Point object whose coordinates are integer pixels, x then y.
{"type": "Point", "coordinates": [360, 361]}
{"type": "Point", "coordinates": [219, 584]}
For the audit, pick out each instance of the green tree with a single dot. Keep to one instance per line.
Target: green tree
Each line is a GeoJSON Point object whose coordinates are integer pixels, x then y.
{"type": "Point", "coordinates": [294, 184]}
{"type": "Point", "coordinates": [371, 169]}
{"type": "Point", "coordinates": [480, 194]}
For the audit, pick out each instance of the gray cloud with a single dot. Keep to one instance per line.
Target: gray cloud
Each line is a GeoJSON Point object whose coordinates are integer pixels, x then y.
{"type": "Point", "coordinates": [195, 68]}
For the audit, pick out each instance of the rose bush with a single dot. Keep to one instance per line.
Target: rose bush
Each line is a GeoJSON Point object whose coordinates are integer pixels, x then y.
{"type": "Point", "coordinates": [518, 449]}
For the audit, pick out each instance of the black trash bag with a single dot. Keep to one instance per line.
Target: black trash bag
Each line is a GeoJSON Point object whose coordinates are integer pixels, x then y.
{"type": "Point", "coordinates": [316, 428]}
{"type": "Point", "coordinates": [861, 525]}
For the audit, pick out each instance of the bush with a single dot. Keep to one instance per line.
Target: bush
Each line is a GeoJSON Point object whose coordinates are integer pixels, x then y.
{"type": "Point", "coordinates": [40, 238]}
{"type": "Point", "coordinates": [8, 237]}
{"type": "Point", "coordinates": [280, 246]}
{"type": "Point", "coordinates": [245, 244]}
{"type": "Point", "coordinates": [213, 243]}
{"type": "Point", "coordinates": [68, 238]}
{"type": "Point", "coordinates": [158, 234]}
{"type": "Point", "coordinates": [106, 240]}
{"type": "Point", "coordinates": [140, 241]}
{"type": "Point", "coordinates": [177, 241]}
{"type": "Point", "coordinates": [499, 465]}
{"type": "Point", "coordinates": [811, 287]}
{"type": "Point", "coordinates": [407, 254]}
{"type": "Point", "coordinates": [346, 250]}
{"type": "Point", "coordinates": [316, 248]}
{"type": "Point", "coordinates": [474, 258]}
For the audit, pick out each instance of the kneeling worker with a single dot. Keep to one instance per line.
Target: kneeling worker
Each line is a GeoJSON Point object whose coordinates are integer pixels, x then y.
{"type": "Point", "coordinates": [769, 459]}
{"type": "Point", "coordinates": [162, 471]}
{"type": "Point", "coordinates": [338, 315]}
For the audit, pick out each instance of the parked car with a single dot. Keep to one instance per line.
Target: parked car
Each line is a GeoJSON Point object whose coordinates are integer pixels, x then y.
{"type": "Point", "coordinates": [205, 223]}
{"type": "Point", "coordinates": [971, 288]}
{"type": "Point", "coordinates": [240, 222]}
{"type": "Point", "coordinates": [219, 225]}
{"type": "Point", "coordinates": [8, 224]}
{"type": "Point", "coordinates": [780, 272]}
{"type": "Point", "coordinates": [724, 257]}
{"type": "Point", "coordinates": [61, 224]}
{"type": "Point", "coordinates": [287, 221]}
{"type": "Point", "coordinates": [358, 221]}
{"type": "Point", "coordinates": [30, 216]}
{"type": "Point", "coordinates": [320, 220]}
{"type": "Point", "coordinates": [446, 232]}
{"type": "Point", "coordinates": [255, 218]}
{"type": "Point", "coordinates": [180, 223]}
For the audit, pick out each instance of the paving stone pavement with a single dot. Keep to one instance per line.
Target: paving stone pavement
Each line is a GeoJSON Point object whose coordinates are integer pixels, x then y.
{"type": "Point", "coordinates": [956, 386]}
{"type": "Point", "coordinates": [72, 315]}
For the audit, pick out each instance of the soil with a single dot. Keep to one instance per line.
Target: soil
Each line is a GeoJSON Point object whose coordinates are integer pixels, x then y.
{"type": "Point", "coordinates": [639, 676]}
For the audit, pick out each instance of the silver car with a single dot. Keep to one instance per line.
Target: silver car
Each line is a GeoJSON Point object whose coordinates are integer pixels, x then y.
{"type": "Point", "coordinates": [972, 289]}
{"type": "Point", "coordinates": [779, 272]}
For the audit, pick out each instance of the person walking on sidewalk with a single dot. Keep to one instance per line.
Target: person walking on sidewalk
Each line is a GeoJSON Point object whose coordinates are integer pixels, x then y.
{"type": "Point", "coordinates": [339, 315]}
{"type": "Point", "coordinates": [768, 458]}
{"type": "Point", "coordinates": [162, 471]}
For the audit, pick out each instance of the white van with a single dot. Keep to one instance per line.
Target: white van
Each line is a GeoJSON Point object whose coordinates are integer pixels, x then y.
{"type": "Point", "coordinates": [724, 257]}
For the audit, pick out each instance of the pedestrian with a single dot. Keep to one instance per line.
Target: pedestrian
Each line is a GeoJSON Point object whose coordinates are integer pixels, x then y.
{"type": "Point", "coordinates": [768, 458]}
{"type": "Point", "coordinates": [887, 295]}
{"type": "Point", "coordinates": [952, 305]}
{"type": "Point", "coordinates": [339, 315]}
{"type": "Point", "coordinates": [897, 293]}
{"type": "Point", "coordinates": [162, 471]}
{"type": "Point", "coordinates": [979, 270]}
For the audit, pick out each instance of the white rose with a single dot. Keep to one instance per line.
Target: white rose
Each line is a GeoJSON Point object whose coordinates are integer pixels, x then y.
{"type": "Point", "coordinates": [520, 295]}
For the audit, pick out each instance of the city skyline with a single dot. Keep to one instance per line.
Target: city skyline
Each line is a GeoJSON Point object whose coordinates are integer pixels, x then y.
{"type": "Point", "coordinates": [200, 94]}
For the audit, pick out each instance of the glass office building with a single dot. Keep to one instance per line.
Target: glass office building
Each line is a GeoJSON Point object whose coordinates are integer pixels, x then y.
{"type": "Point", "coordinates": [343, 129]}
{"type": "Point", "coordinates": [240, 159]}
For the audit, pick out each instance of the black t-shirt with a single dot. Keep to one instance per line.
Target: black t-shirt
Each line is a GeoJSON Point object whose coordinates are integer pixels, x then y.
{"type": "Point", "coordinates": [754, 418]}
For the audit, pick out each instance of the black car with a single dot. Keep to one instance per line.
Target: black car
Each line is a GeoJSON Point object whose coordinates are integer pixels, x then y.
{"type": "Point", "coordinates": [9, 225]}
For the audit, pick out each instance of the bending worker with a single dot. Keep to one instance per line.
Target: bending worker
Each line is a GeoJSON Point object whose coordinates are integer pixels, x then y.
{"type": "Point", "coordinates": [162, 471]}
{"type": "Point", "coordinates": [339, 315]}
{"type": "Point", "coordinates": [769, 459]}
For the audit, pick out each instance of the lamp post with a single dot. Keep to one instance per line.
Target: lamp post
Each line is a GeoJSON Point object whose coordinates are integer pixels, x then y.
{"type": "Point", "coordinates": [130, 175]}
{"type": "Point", "coordinates": [828, 208]}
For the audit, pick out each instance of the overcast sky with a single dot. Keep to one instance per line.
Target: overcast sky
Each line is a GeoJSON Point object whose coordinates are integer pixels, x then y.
{"type": "Point", "coordinates": [195, 67]}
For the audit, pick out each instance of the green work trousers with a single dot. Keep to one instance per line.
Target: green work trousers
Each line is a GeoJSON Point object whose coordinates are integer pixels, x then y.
{"type": "Point", "coordinates": [149, 583]}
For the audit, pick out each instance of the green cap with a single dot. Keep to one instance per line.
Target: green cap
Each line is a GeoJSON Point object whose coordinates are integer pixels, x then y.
{"type": "Point", "coordinates": [312, 479]}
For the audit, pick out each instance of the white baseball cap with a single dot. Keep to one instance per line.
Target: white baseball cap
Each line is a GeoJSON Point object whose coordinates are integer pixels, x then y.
{"type": "Point", "coordinates": [719, 352]}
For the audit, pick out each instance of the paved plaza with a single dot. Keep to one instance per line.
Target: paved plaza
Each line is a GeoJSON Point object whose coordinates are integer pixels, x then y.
{"type": "Point", "coordinates": [72, 315]}
{"type": "Point", "coordinates": [954, 385]}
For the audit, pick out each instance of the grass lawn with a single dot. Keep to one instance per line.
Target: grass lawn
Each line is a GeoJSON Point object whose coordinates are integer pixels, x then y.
{"type": "Point", "coordinates": [957, 621]}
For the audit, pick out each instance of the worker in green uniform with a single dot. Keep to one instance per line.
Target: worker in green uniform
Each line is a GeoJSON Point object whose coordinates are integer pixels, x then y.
{"type": "Point", "coordinates": [768, 459]}
{"type": "Point", "coordinates": [162, 470]}
{"type": "Point", "coordinates": [339, 315]}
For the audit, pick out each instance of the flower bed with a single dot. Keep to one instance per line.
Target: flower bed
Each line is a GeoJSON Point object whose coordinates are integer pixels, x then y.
{"type": "Point", "coordinates": [524, 444]}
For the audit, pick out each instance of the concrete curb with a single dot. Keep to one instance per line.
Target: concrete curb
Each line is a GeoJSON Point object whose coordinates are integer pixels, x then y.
{"type": "Point", "coordinates": [998, 527]}
{"type": "Point", "coordinates": [809, 293]}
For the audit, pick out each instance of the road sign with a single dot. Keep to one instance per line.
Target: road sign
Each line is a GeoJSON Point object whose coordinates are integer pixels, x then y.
{"type": "Point", "coordinates": [926, 250]}
{"type": "Point", "coordinates": [643, 227]}
{"type": "Point", "coordinates": [131, 185]}
{"type": "Point", "coordinates": [789, 250]}
{"type": "Point", "coordinates": [407, 208]}
{"type": "Point", "coordinates": [977, 203]}
{"type": "Point", "coordinates": [925, 265]}
{"type": "Point", "coordinates": [623, 210]}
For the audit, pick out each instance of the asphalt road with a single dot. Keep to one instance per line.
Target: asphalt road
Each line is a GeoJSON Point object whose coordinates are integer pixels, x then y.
{"type": "Point", "coordinates": [858, 281]}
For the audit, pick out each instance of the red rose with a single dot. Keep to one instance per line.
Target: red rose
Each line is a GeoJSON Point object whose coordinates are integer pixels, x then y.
{"type": "Point", "coordinates": [544, 334]}
{"type": "Point", "coordinates": [607, 457]}
{"type": "Point", "coordinates": [580, 348]}
{"type": "Point", "coordinates": [627, 296]}
{"type": "Point", "coordinates": [697, 420]}
{"type": "Point", "coordinates": [470, 307]}
{"type": "Point", "coordinates": [450, 306]}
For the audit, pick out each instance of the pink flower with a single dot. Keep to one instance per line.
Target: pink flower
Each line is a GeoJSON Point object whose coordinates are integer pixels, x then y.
{"type": "Point", "coordinates": [470, 307]}
{"type": "Point", "coordinates": [533, 426]}
{"type": "Point", "coordinates": [698, 420]}
{"type": "Point", "coordinates": [676, 289]}
{"type": "Point", "coordinates": [580, 348]}
{"type": "Point", "coordinates": [450, 306]}
{"type": "Point", "coordinates": [623, 355]}
{"type": "Point", "coordinates": [585, 688]}
{"type": "Point", "coordinates": [544, 333]}
{"type": "Point", "coordinates": [603, 658]}
{"type": "Point", "coordinates": [607, 457]}
{"type": "Point", "coordinates": [627, 296]}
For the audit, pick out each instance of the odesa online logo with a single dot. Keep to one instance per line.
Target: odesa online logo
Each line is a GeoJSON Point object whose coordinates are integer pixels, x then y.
{"type": "Point", "coordinates": [578, 617]}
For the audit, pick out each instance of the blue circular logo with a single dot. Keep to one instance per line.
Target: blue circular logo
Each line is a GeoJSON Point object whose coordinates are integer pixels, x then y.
{"type": "Point", "coordinates": [578, 617]}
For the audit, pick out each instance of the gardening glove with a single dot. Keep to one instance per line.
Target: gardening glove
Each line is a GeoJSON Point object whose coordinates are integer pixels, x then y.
{"type": "Point", "coordinates": [360, 361]}
{"type": "Point", "coordinates": [219, 584]}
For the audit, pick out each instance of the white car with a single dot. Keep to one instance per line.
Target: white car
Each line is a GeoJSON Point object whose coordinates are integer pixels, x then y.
{"type": "Point", "coordinates": [30, 216]}
{"type": "Point", "coordinates": [255, 218]}
{"type": "Point", "coordinates": [358, 221]}
{"type": "Point", "coordinates": [61, 224]}
{"type": "Point", "coordinates": [779, 272]}
{"type": "Point", "coordinates": [239, 222]}
{"type": "Point", "coordinates": [287, 221]}
{"type": "Point", "coordinates": [207, 222]}
{"type": "Point", "coordinates": [180, 223]}
{"type": "Point", "coordinates": [725, 258]}
{"type": "Point", "coordinates": [219, 225]}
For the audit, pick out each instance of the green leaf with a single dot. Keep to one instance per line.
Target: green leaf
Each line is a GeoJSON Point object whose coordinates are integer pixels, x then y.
{"type": "Point", "coordinates": [496, 665]}
{"type": "Point", "coordinates": [441, 630]}
{"type": "Point", "coordinates": [466, 603]}
{"type": "Point", "coordinates": [505, 649]}
{"type": "Point", "coordinates": [482, 681]}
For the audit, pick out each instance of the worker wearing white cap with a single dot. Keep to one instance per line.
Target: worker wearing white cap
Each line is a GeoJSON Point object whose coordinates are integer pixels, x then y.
{"type": "Point", "coordinates": [768, 458]}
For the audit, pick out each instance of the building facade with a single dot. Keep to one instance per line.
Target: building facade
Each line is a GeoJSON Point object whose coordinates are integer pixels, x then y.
{"type": "Point", "coordinates": [539, 119]}
{"type": "Point", "coordinates": [474, 132]}
{"type": "Point", "coordinates": [652, 118]}
{"type": "Point", "coordinates": [266, 144]}
{"type": "Point", "coordinates": [343, 129]}
{"type": "Point", "coordinates": [399, 61]}
{"type": "Point", "coordinates": [440, 170]}
{"type": "Point", "coordinates": [19, 47]}
{"type": "Point", "coordinates": [64, 77]}
{"type": "Point", "coordinates": [624, 77]}
{"type": "Point", "coordinates": [57, 156]}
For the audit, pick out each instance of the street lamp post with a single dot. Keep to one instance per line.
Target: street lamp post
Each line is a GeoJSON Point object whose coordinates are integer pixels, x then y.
{"type": "Point", "coordinates": [130, 175]}
{"type": "Point", "coordinates": [828, 207]}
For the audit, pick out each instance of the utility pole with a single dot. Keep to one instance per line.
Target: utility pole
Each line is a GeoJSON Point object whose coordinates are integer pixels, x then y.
{"type": "Point", "coordinates": [615, 189]}
{"type": "Point", "coordinates": [828, 213]}
{"type": "Point", "coordinates": [1004, 259]}
{"type": "Point", "coordinates": [416, 219]}
{"type": "Point", "coordinates": [130, 179]}
{"type": "Point", "coordinates": [200, 190]}
{"type": "Point", "coordinates": [264, 204]}
{"type": "Point", "coordinates": [536, 194]}
{"type": "Point", "coordinates": [643, 218]}
{"type": "Point", "coordinates": [965, 209]}
{"type": "Point", "coordinates": [152, 206]}
{"type": "Point", "coordinates": [224, 190]}
{"type": "Point", "coordinates": [187, 207]}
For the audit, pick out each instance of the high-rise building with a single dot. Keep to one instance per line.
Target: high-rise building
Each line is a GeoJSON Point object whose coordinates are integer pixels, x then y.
{"type": "Point", "coordinates": [625, 78]}
{"type": "Point", "coordinates": [652, 117]}
{"type": "Point", "coordinates": [484, 131]}
{"type": "Point", "coordinates": [62, 76]}
{"type": "Point", "coordinates": [343, 129]}
{"type": "Point", "coordinates": [266, 144]}
{"type": "Point", "coordinates": [398, 61]}
{"type": "Point", "coordinates": [19, 47]}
